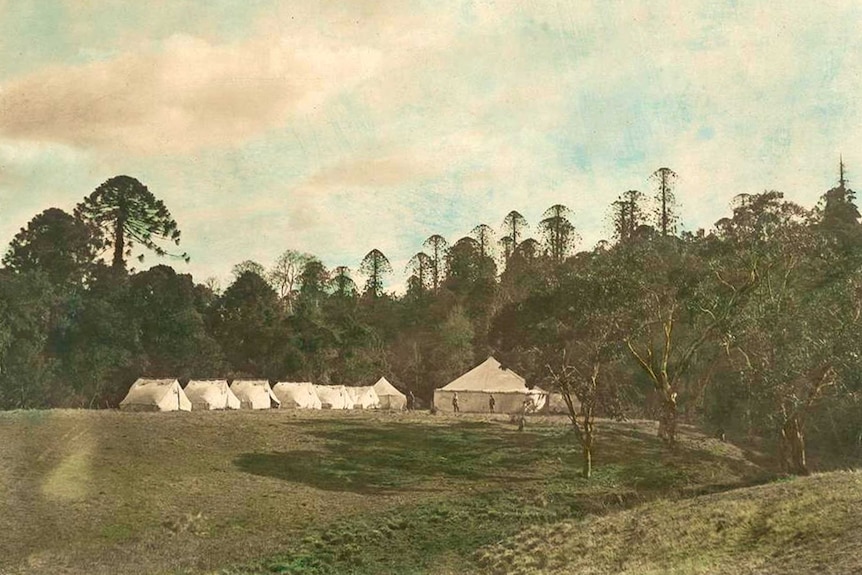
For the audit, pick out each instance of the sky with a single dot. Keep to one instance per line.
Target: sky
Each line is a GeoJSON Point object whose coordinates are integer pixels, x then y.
{"type": "Point", "coordinates": [336, 127]}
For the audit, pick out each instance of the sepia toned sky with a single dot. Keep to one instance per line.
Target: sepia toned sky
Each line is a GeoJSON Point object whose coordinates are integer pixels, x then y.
{"type": "Point", "coordinates": [336, 127]}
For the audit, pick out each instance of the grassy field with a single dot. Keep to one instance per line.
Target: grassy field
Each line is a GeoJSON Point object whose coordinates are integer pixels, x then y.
{"type": "Point", "coordinates": [351, 492]}
{"type": "Point", "coordinates": [808, 525]}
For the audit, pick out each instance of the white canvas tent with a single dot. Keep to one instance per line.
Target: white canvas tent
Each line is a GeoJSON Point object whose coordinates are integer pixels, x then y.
{"type": "Point", "coordinates": [539, 398]}
{"type": "Point", "coordinates": [363, 397]}
{"type": "Point", "coordinates": [476, 387]}
{"type": "Point", "coordinates": [557, 405]}
{"type": "Point", "coordinates": [156, 395]}
{"type": "Point", "coordinates": [254, 394]}
{"type": "Point", "coordinates": [390, 398]}
{"type": "Point", "coordinates": [296, 395]}
{"type": "Point", "coordinates": [333, 397]}
{"type": "Point", "coordinates": [211, 394]}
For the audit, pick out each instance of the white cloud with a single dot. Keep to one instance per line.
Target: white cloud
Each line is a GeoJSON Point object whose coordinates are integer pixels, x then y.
{"type": "Point", "coordinates": [184, 95]}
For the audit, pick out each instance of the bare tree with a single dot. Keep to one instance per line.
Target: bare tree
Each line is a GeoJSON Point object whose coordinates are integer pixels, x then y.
{"type": "Point", "coordinates": [285, 275]}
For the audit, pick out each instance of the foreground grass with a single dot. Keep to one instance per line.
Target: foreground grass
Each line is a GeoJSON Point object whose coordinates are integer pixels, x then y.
{"type": "Point", "coordinates": [535, 482]}
{"type": "Point", "coordinates": [312, 493]}
{"type": "Point", "coordinates": [803, 526]}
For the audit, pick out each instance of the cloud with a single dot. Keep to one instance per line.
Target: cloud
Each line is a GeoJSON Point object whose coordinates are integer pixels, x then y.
{"type": "Point", "coordinates": [185, 95]}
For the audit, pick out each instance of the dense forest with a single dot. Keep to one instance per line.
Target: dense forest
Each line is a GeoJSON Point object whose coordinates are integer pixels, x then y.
{"type": "Point", "coordinates": [750, 328]}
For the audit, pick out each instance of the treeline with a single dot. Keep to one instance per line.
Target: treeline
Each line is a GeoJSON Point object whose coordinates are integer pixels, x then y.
{"type": "Point", "coordinates": [752, 327]}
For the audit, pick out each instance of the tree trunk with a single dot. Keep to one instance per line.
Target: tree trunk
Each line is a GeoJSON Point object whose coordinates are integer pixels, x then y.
{"type": "Point", "coordinates": [119, 244]}
{"type": "Point", "coordinates": [587, 441]}
{"type": "Point", "coordinates": [792, 447]}
{"type": "Point", "coordinates": [667, 421]}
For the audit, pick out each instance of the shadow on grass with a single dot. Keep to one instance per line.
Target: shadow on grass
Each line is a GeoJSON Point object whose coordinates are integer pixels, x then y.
{"type": "Point", "coordinates": [650, 464]}
{"type": "Point", "coordinates": [390, 457]}
{"type": "Point", "coordinates": [516, 480]}
{"type": "Point", "coordinates": [365, 457]}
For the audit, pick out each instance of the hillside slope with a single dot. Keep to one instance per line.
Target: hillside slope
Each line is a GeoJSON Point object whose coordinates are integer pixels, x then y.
{"type": "Point", "coordinates": [808, 525]}
{"type": "Point", "coordinates": [101, 492]}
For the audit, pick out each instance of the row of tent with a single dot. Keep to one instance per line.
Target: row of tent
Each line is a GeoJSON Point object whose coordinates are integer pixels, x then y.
{"type": "Point", "coordinates": [472, 392]}
{"type": "Point", "coordinates": [209, 394]}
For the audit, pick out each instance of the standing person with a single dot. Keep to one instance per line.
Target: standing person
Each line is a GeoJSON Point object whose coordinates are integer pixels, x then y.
{"type": "Point", "coordinates": [522, 420]}
{"type": "Point", "coordinates": [491, 403]}
{"type": "Point", "coordinates": [411, 401]}
{"type": "Point", "coordinates": [455, 403]}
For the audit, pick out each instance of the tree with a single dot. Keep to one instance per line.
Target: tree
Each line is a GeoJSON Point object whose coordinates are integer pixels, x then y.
{"type": "Point", "coordinates": [57, 244]}
{"type": "Point", "coordinates": [285, 274]}
{"type": "Point", "coordinates": [100, 351]}
{"type": "Point", "coordinates": [514, 225]}
{"type": "Point", "coordinates": [558, 232]}
{"type": "Point", "coordinates": [164, 306]}
{"type": "Point", "coordinates": [485, 236]}
{"type": "Point", "coordinates": [464, 261]}
{"type": "Point", "coordinates": [799, 334]}
{"type": "Point", "coordinates": [528, 250]}
{"type": "Point", "coordinates": [375, 266]}
{"type": "Point", "coordinates": [564, 339]}
{"type": "Point", "coordinates": [627, 216]}
{"type": "Point", "coordinates": [127, 212]}
{"type": "Point", "coordinates": [313, 282]}
{"type": "Point", "coordinates": [837, 216]}
{"type": "Point", "coordinates": [213, 284]}
{"type": "Point", "coordinates": [677, 304]}
{"type": "Point", "coordinates": [247, 324]}
{"type": "Point", "coordinates": [343, 285]}
{"type": "Point", "coordinates": [666, 216]}
{"type": "Point", "coordinates": [455, 352]}
{"type": "Point", "coordinates": [26, 367]}
{"type": "Point", "coordinates": [421, 269]}
{"type": "Point", "coordinates": [248, 266]}
{"type": "Point", "coordinates": [437, 245]}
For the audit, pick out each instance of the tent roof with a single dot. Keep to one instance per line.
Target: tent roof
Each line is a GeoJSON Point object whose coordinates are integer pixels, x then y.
{"type": "Point", "coordinates": [301, 393]}
{"type": "Point", "coordinates": [340, 389]}
{"type": "Point", "coordinates": [149, 391]}
{"type": "Point", "coordinates": [241, 383]}
{"type": "Point", "coordinates": [201, 387]}
{"type": "Point", "coordinates": [206, 384]}
{"type": "Point", "coordinates": [248, 386]}
{"type": "Point", "coordinates": [383, 387]}
{"type": "Point", "coordinates": [357, 391]}
{"type": "Point", "coordinates": [489, 376]}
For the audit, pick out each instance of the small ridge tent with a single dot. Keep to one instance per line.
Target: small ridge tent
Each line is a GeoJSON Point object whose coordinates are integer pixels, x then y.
{"type": "Point", "coordinates": [476, 387]}
{"type": "Point", "coordinates": [211, 394]}
{"type": "Point", "coordinates": [363, 397]}
{"type": "Point", "coordinates": [156, 395]}
{"type": "Point", "coordinates": [296, 395]}
{"type": "Point", "coordinates": [333, 397]}
{"type": "Point", "coordinates": [390, 398]}
{"type": "Point", "coordinates": [539, 398]}
{"type": "Point", "coordinates": [254, 394]}
{"type": "Point", "coordinates": [557, 405]}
